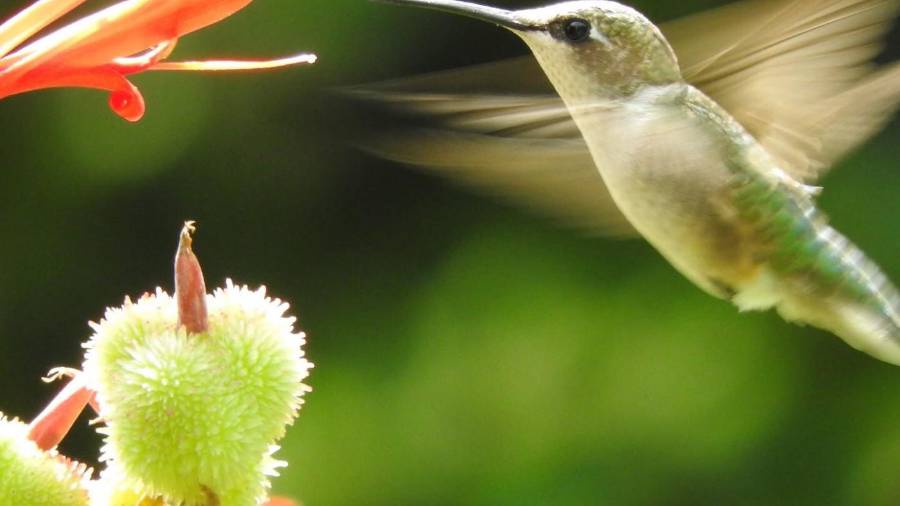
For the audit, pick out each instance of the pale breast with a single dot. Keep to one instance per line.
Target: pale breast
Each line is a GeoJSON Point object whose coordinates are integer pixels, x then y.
{"type": "Point", "coordinates": [667, 173]}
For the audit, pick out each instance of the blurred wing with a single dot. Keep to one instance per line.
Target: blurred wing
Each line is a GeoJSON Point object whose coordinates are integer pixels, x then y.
{"type": "Point", "coordinates": [797, 74]}
{"type": "Point", "coordinates": [523, 147]}
{"type": "Point", "coordinates": [554, 176]}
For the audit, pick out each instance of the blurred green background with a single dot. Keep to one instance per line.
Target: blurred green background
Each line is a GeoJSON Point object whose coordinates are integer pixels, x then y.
{"type": "Point", "coordinates": [466, 352]}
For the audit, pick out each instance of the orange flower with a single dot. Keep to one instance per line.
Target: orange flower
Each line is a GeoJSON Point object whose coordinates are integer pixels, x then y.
{"type": "Point", "coordinates": [99, 50]}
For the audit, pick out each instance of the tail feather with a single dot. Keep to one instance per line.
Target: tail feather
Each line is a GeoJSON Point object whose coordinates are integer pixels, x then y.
{"type": "Point", "coordinates": [862, 307]}
{"type": "Point", "coordinates": [866, 330]}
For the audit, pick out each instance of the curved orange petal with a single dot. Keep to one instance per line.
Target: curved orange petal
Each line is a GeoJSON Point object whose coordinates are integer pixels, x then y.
{"type": "Point", "coordinates": [124, 99]}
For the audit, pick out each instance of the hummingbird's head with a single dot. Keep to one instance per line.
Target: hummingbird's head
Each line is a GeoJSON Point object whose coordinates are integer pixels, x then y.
{"type": "Point", "coordinates": [587, 48]}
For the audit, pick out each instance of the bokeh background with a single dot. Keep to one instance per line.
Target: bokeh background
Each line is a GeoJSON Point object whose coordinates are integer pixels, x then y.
{"type": "Point", "coordinates": [466, 352]}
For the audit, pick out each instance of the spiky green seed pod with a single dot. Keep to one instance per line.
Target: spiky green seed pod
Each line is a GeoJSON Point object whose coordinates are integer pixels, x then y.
{"type": "Point", "coordinates": [30, 476]}
{"type": "Point", "coordinates": [194, 418]}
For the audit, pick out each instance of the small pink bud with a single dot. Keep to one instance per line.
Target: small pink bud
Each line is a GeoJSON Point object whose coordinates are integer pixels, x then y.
{"type": "Point", "coordinates": [54, 422]}
{"type": "Point", "coordinates": [190, 290]}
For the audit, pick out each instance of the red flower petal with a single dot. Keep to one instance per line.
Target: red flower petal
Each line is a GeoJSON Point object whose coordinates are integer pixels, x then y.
{"type": "Point", "coordinates": [97, 51]}
{"type": "Point", "coordinates": [32, 20]}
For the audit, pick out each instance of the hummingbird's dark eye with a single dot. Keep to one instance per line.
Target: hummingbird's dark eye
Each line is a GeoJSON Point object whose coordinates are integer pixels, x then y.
{"type": "Point", "coordinates": [576, 30]}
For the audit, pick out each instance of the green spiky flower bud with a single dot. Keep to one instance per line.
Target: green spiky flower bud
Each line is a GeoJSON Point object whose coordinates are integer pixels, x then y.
{"type": "Point", "coordinates": [30, 476]}
{"type": "Point", "coordinates": [193, 412]}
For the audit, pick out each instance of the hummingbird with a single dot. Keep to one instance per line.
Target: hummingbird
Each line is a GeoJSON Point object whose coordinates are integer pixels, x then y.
{"type": "Point", "coordinates": [705, 136]}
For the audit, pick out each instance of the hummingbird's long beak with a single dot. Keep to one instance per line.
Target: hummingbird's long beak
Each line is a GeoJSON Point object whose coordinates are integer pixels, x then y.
{"type": "Point", "coordinates": [502, 17]}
